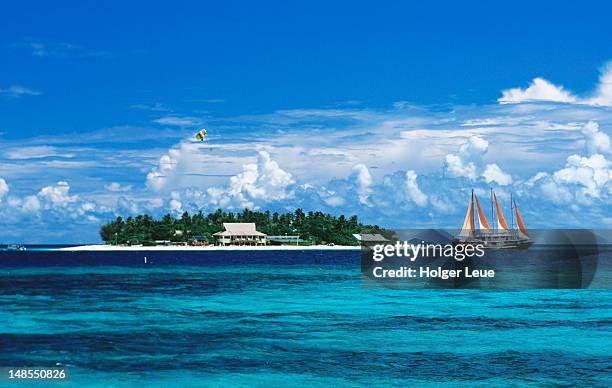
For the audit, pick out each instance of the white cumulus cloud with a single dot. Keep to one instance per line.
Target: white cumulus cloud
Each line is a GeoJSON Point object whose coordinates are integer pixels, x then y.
{"type": "Point", "coordinates": [583, 180]}
{"type": "Point", "coordinates": [603, 95]}
{"type": "Point", "coordinates": [493, 173]}
{"type": "Point", "coordinates": [363, 179]}
{"type": "Point", "coordinates": [30, 204]}
{"type": "Point", "coordinates": [590, 173]}
{"type": "Point", "coordinates": [539, 90]}
{"type": "Point", "coordinates": [3, 188]}
{"type": "Point", "coordinates": [413, 190]}
{"type": "Point", "coordinates": [264, 181]}
{"type": "Point", "coordinates": [596, 141]}
{"type": "Point", "coordinates": [456, 167]}
{"type": "Point", "coordinates": [159, 176]}
{"type": "Point", "coordinates": [176, 206]}
{"type": "Point", "coordinates": [466, 162]}
{"type": "Point", "coordinates": [57, 195]}
{"type": "Point", "coordinates": [542, 90]}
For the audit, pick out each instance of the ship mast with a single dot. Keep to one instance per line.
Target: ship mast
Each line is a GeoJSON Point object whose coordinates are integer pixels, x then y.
{"type": "Point", "coordinates": [493, 213]}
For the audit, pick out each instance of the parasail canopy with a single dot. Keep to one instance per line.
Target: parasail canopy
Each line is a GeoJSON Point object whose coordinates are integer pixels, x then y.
{"type": "Point", "coordinates": [201, 135]}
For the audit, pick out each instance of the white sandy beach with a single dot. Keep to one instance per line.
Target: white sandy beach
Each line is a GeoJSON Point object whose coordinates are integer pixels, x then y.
{"type": "Point", "coordinates": [102, 247]}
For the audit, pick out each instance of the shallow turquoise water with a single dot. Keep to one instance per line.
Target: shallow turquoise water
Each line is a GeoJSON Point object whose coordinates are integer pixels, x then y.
{"type": "Point", "coordinates": [312, 324]}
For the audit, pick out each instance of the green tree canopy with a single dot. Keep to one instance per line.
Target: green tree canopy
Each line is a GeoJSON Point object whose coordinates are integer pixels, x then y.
{"type": "Point", "coordinates": [315, 227]}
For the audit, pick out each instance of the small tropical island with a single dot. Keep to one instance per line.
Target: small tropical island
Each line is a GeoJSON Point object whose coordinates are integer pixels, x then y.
{"type": "Point", "coordinates": [246, 228]}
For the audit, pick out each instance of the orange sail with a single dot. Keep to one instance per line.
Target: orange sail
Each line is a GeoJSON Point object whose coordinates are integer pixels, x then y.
{"type": "Point", "coordinates": [484, 224]}
{"type": "Point", "coordinates": [519, 221]}
{"type": "Point", "coordinates": [501, 221]}
{"type": "Point", "coordinates": [468, 224]}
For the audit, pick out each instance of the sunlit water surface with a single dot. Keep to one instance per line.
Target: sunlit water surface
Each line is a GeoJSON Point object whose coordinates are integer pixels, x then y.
{"type": "Point", "coordinates": [287, 318]}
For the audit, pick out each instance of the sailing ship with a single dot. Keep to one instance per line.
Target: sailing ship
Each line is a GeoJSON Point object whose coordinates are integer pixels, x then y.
{"type": "Point", "coordinates": [500, 235]}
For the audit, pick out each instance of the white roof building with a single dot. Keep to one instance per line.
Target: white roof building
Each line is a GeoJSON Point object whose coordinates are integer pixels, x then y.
{"type": "Point", "coordinates": [240, 233]}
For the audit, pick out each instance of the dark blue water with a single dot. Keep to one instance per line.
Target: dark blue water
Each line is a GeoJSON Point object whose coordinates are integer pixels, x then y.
{"type": "Point", "coordinates": [286, 318]}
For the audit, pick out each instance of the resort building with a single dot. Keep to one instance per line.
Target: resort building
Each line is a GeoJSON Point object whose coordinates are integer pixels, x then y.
{"type": "Point", "coordinates": [198, 241]}
{"type": "Point", "coordinates": [280, 240]}
{"type": "Point", "coordinates": [243, 233]}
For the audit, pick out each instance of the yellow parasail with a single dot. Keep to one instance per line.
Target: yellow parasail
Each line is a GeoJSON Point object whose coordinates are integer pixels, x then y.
{"type": "Point", "coordinates": [201, 135]}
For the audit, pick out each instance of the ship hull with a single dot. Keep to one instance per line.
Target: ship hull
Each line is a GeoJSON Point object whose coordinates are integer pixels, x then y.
{"type": "Point", "coordinates": [497, 242]}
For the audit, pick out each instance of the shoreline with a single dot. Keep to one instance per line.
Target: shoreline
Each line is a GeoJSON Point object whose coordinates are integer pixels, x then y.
{"type": "Point", "coordinates": [116, 248]}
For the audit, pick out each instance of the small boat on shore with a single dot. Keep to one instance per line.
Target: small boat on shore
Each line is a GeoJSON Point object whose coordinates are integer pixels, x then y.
{"type": "Point", "coordinates": [500, 235]}
{"type": "Point", "coordinates": [15, 247]}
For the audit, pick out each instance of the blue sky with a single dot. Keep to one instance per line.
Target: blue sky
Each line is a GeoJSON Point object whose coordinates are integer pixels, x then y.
{"type": "Point", "coordinates": [387, 110]}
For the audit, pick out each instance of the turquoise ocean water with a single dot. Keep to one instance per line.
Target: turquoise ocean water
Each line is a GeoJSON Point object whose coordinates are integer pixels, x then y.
{"type": "Point", "coordinates": [279, 320]}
